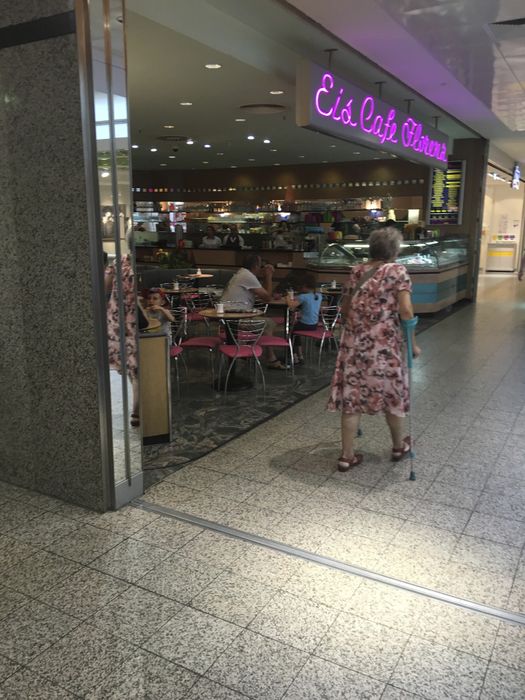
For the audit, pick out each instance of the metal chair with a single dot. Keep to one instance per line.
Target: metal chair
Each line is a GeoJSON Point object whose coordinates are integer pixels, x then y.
{"type": "Point", "coordinates": [329, 318]}
{"type": "Point", "coordinates": [196, 304]}
{"type": "Point", "coordinates": [276, 341]}
{"type": "Point", "coordinates": [178, 331]}
{"type": "Point", "coordinates": [242, 342]}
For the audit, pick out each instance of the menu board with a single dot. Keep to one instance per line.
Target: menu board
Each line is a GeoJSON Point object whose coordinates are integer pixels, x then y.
{"type": "Point", "coordinates": [446, 196]}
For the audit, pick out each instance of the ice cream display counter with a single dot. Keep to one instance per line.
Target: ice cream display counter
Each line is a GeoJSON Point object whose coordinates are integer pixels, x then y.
{"type": "Point", "coordinates": [438, 268]}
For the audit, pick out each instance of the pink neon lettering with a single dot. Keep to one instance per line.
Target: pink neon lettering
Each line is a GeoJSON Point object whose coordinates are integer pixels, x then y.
{"type": "Point", "coordinates": [383, 128]}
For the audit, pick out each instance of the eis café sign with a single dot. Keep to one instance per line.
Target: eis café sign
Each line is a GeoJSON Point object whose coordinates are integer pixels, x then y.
{"type": "Point", "coordinates": [325, 102]}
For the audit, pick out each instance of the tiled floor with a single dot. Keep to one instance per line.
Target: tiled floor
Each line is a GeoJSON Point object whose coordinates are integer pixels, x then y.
{"type": "Point", "coordinates": [133, 605]}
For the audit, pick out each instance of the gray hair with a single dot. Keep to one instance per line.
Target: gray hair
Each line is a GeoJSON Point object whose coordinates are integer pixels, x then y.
{"type": "Point", "coordinates": [385, 243]}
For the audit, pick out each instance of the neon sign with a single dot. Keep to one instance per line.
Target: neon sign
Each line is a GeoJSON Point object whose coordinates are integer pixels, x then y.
{"type": "Point", "coordinates": [329, 104]}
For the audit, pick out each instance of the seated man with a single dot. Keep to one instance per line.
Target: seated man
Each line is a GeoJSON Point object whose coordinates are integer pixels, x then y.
{"type": "Point", "coordinates": [211, 240]}
{"type": "Point", "coordinates": [245, 287]}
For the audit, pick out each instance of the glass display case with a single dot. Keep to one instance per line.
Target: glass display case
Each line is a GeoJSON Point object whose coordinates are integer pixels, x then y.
{"type": "Point", "coordinates": [431, 255]}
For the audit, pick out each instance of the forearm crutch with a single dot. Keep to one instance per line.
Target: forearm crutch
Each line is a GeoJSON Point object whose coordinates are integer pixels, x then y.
{"type": "Point", "coordinates": [408, 326]}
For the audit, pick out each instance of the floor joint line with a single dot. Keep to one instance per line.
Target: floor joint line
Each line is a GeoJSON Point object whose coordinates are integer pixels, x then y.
{"type": "Point", "coordinates": [500, 613]}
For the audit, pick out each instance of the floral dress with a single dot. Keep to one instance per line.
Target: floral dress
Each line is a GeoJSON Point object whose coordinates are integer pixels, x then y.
{"type": "Point", "coordinates": [130, 321]}
{"type": "Point", "coordinates": [370, 374]}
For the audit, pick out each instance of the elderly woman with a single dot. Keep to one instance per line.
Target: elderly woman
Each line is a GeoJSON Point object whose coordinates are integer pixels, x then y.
{"type": "Point", "coordinates": [370, 375]}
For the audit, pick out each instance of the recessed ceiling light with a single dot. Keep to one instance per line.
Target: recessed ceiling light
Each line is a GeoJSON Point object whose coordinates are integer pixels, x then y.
{"type": "Point", "coordinates": [266, 141]}
{"type": "Point", "coordinates": [376, 158]}
{"type": "Point", "coordinates": [277, 164]}
{"type": "Point", "coordinates": [276, 92]}
{"type": "Point", "coordinates": [233, 166]}
{"type": "Point", "coordinates": [153, 150]}
{"type": "Point", "coordinates": [163, 165]}
{"type": "Point", "coordinates": [104, 173]}
{"type": "Point", "coordinates": [332, 145]}
{"type": "Point", "coordinates": [250, 137]}
{"type": "Point", "coordinates": [190, 142]}
{"type": "Point", "coordinates": [220, 153]}
{"type": "Point", "coordinates": [171, 156]}
{"type": "Point", "coordinates": [240, 119]}
{"type": "Point", "coordinates": [205, 162]}
{"type": "Point", "coordinates": [185, 104]}
{"type": "Point", "coordinates": [134, 145]}
{"type": "Point", "coordinates": [169, 126]}
{"type": "Point", "coordinates": [213, 66]}
{"type": "Point", "coordinates": [324, 161]}
{"type": "Point", "coordinates": [356, 153]}
{"type": "Point", "coordinates": [273, 150]}
{"type": "Point", "coordinates": [207, 145]}
{"type": "Point", "coordinates": [301, 156]}
{"type": "Point", "coordinates": [252, 160]}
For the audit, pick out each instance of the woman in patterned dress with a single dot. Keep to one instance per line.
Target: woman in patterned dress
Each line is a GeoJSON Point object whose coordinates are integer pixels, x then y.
{"type": "Point", "coordinates": [370, 374]}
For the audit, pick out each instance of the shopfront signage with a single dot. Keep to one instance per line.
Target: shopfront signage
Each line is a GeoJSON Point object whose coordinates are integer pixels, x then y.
{"type": "Point", "coordinates": [327, 103]}
{"type": "Point", "coordinates": [446, 195]}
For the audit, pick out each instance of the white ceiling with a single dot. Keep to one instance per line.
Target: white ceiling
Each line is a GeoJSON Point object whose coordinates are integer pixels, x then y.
{"type": "Point", "coordinates": [258, 45]}
{"type": "Point", "coordinates": [450, 51]}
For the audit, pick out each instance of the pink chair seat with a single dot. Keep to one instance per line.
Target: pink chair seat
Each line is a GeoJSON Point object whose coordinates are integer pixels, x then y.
{"type": "Point", "coordinates": [175, 350]}
{"type": "Point", "coordinates": [317, 334]}
{"type": "Point", "coordinates": [233, 351]}
{"type": "Point", "coordinates": [210, 342]}
{"type": "Point", "coordinates": [195, 316]}
{"type": "Point", "coordinates": [272, 341]}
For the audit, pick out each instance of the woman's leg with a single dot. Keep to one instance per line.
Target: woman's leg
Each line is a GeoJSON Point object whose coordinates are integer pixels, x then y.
{"type": "Point", "coordinates": [395, 423]}
{"type": "Point", "coordinates": [349, 427]}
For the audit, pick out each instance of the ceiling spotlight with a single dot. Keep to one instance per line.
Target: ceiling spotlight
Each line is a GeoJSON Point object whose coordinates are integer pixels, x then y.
{"type": "Point", "coordinates": [104, 173]}
{"type": "Point", "coordinates": [134, 145]}
{"type": "Point", "coordinates": [356, 153]}
{"type": "Point", "coordinates": [185, 104]}
{"type": "Point", "coordinates": [169, 126]}
{"type": "Point", "coordinates": [301, 156]}
{"type": "Point", "coordinates": [163, 165]}
{"type": "Point", "coordinates": [273, 150]}
{"type": "Point", "coordinates": [277, 164]}
{"type": "Point", "coordinates": [276, 92]}
{"type": "Point", "coordinates": [324, 161]}
{"type": "Point", "coordinates": [220, 153]}
{"type": "Point", "coordinates": [172, 156]}
{"type": "Point", "coordinates": [153, 150]}
{"type": "Point", "coordinates": [252, 160]}
{"type": "Point", "coordinates": [332, 145]}
{"type": "Point", "coordinates": [190, 142]}
{"type": "Point", "coordinates": [266, 141]}
{"type": "Point", "coordinates": [376, 158]}
{"type": "Point", "coordinates": [233, 166]}
{"type": "Point", "coordinates": [250, 138]}
{"type": "Point", "coordinates": [207, 145]}
{"type": "Point", "coordinates": [213, 66]}
{"type": "Point", "coordinates": [205, 162]}
{"type": "Point", "coordinates": [240, 119]}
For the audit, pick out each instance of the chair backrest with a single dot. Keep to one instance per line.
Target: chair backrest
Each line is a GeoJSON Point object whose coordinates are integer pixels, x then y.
{"type": "Point", "coordinates": [178, 326]}
{"type": "Point", "coordinates": [260, 305]}
{"type": "Point", "coordinates": [200, 302]}
{"type": "Point", "coordinates": [330, 316]}
{"type": "Point", "coordinates": [245, 332]}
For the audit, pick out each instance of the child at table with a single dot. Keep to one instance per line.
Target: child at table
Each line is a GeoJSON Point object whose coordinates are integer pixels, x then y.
{"type": "Point", "coordinates": [156, 310]}
{"type": "Point", "coordinates": [308, 302]}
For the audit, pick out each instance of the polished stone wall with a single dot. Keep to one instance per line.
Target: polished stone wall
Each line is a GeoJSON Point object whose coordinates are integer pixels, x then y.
{"type": "Point", "coordinates": [49, 415]}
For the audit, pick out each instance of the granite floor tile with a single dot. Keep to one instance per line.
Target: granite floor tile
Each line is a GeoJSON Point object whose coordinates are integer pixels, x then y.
{"type": "Point", "coordinates": [376, 526]}
{"type": "Point", "coordinates": [277, 499]}
{"type": "Point", "coordinates": [10, 600]}
{"type": "Point", "coordinates": [439, 515]}
{"type": "Point", "coordinates": [293, 621]}
{"type": "Point", "coordinates": [126, 521]}
{"type": "Point", "coordinates": [343, 493]}
{"type": "Point", "coordinates": [453, 495]}
{"type": "Point", "coordinates": [388, 503]}
{"type": "Point", "coordinates": [426, 540]}
{"type": "Point", "coordinates": [457, 628]}
{"type": "Point", "coordinates": [38, 573]}
{"type": "Point", "coordinates": [234, 598]}
{"type": "Point", "coordinates": [257, 666]}
{"type": "Point", "coordinates": [135, 615]}
{"type": "Point", "coordinates": [194, 477]}
{"type": "Point", "coordinates": [322, 679]}
{"type": "Point", "coordinates": [28, 685]}
{"type": "Point", "coordinates": [179, 578]}
{"type": "Point", "coordinates": [32, 628]}
{"type": "Point", "coordinates": [170, 495]}
{"type": "Point", "coordinates": [509, 649]}
{"type": "Point", "coordinates": [233, 488]}
{"type": "Point", "coordinates": [323, 585]}
{"type": "Point", "coordinates": [516, 601]}
{"type": "Point", "coordinates": [205, 505]}
{"type": "Point", "coordinates": [7, 668]}
{"type": "Point", "coordinates": [84, 593]}
{"type": "Point", "coordinates": [145, 675]}
{"type": "Point", "coordinates": [266, 566]}
{"type": "Point", "coordinates": [391, 693]}
{"type": "Point", "coordinates": [193, 639]}
{"type": "Point", "coordinates": [387, 606]}
{"type": "Point", "coordinates": [480, 585]}
{"type": "Point", "coordinates": [356, 550]}
{"type": "Point", "coordinates": [503, 683]}
{"type": "Point", "coordinates": [301, 534]}
{"type": "Point", "coordinates": [482, 554]}
{"type": "Point", "coordinates": [436, 672]}
{"type": "Point", "coordinates": [214, 549]}
{"type": "Point", "coordinates": [491, 527]}
{"type": "Point", "coordinates": [250, 518]}
{"type": "Point", "coordinates": [321, 511]}
{"type": "Point", "coordinates": [502, 505]}
{"type": "Point", "coordinates": [14, 514]}
{"type": "Point", "coordinates": [260, 470]}
{"type": "Point", "coordinates": [45, 529]}
{"type": "Point", "coordinates": [130, 560]}
{"type": "Point", "coordinates": [299, 482]}
{"type": "Point", "coordinates": [13, 551]}
{"type": "Point", "coordinates": [363, 646]}
{"type": "Point", "coordinates": [82, 659]}
{"type": "Point", "coordinates": [466, 478]}
{"type": "Point", "coordinates": [85, 544]}
{"type": "Point", "coordinates": [168, 533]}
{"type": "Point", "coordinates": [205, 689]}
